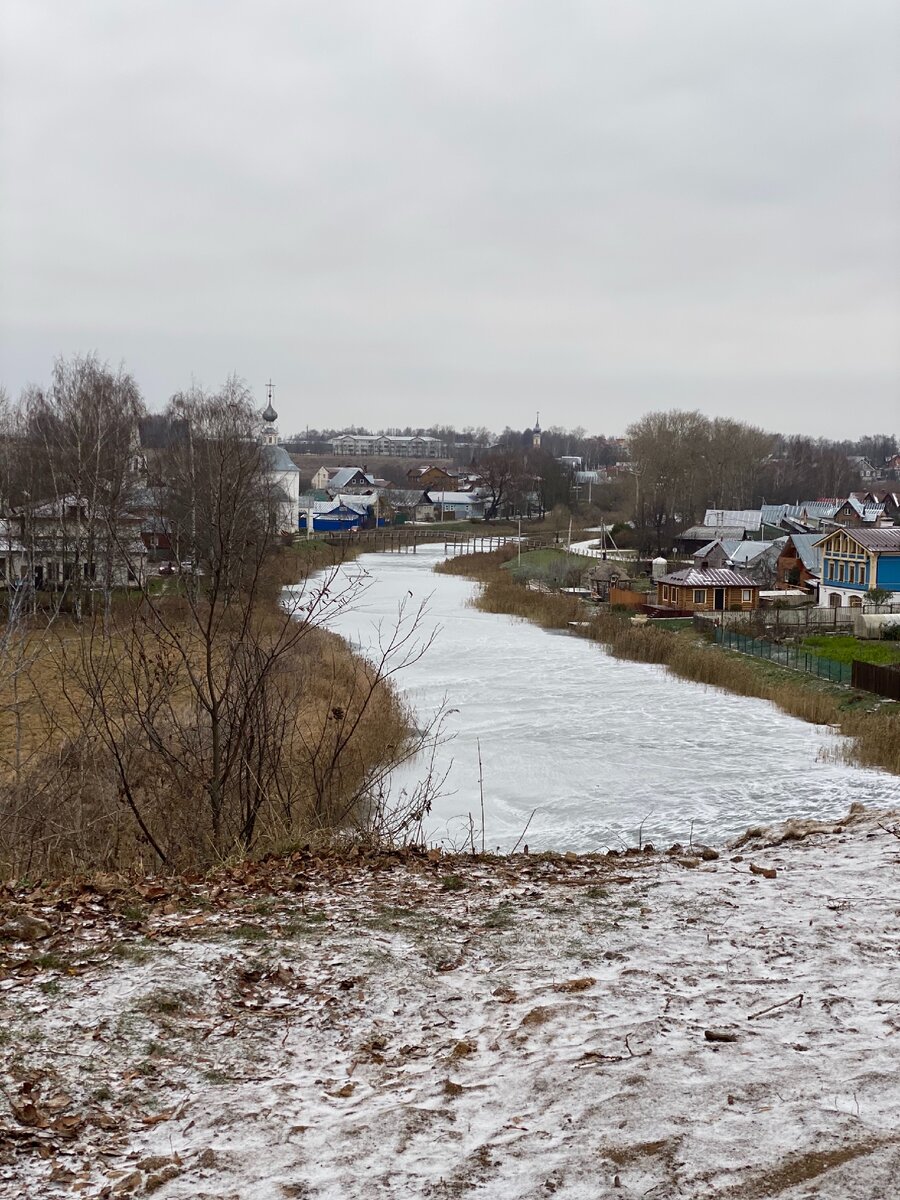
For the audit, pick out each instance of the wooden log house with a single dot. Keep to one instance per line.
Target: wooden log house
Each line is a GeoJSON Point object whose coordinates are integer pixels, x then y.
{"type": "Point", "coordinates": [707, 589]}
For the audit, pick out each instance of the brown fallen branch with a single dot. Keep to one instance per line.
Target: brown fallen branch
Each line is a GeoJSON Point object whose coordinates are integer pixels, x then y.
{"type": "Point", "coordinates": [780, 1004]}
{"type": "Point", "coordinates": [886, 830]}
{"type": "Point", "coordinates": [591, 1054]}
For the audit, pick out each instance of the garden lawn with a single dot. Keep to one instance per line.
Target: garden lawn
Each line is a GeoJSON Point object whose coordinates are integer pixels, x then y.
{"type": "Point", "coordinates": [843, 648]}
{"type": "Point", "coordinates": [548, 556]}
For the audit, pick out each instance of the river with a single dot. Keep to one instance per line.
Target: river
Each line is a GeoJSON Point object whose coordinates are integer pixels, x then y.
{"type": "Point", "coordinates": [588, 747]}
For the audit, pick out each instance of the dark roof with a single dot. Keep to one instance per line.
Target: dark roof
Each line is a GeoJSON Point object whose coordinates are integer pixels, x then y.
{"type": "Point", "coordinates": [611, 569]}
{"type": "Point", "coordinates": [721, 577]}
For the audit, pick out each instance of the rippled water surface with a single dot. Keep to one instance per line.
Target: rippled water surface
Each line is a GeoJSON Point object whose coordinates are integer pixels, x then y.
{"type": "Point", "coordinates": [595, 745]}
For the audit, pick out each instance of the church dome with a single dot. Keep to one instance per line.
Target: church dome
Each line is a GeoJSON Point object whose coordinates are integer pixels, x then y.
{"type": "Point", "coordinates": [270, 414]}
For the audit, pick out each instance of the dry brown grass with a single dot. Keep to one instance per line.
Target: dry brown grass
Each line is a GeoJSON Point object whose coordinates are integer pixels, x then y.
{"type": "Point", "coordinates": [873, 728]}
{"type": "Point", "coordinates": [61, 797]}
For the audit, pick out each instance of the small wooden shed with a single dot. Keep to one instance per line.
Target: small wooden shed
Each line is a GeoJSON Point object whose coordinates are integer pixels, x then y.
{"type": "Point", "coordinates": [605, 575]}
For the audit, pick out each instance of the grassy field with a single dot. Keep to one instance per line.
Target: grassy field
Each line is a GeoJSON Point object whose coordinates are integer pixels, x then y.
{"type": "Point", "coordinates": [843, 648]}
{"type": "Point", "coordinates": [549, 556]}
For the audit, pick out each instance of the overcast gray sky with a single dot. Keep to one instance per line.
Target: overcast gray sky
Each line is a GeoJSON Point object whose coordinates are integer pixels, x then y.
{"type": "Point", "coordinates": [421, 211]}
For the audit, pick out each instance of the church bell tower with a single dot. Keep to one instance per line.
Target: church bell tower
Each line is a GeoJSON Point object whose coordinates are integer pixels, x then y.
{"type": "Point", "coordinates": [270, 416]}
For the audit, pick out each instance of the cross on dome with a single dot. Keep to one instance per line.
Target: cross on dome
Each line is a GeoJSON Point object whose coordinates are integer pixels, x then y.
{"type": "Point", "coordinates": [269, 413]}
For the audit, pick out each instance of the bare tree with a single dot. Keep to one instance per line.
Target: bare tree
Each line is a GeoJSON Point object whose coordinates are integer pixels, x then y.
{"type": "Point", "coordinates": [196, 695]}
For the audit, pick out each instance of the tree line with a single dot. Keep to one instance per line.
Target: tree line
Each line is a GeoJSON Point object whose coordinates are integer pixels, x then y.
{"type": "Point", "coordinates": [684, 463]}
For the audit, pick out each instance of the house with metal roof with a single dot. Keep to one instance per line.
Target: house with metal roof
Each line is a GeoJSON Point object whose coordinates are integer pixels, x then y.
{"type": "Point", "coordinates": [854, 561]}
{"type": "Point", "coordinates": [800, 563]}
{"type": "Point", "coordinates": [456, 505]}
{"type": "Point", "coordinates": [696, 536]}
{"type": "Point", "coordinates": [343, 479]}
{"type": "Point", "coordinates": [748, 519]}
{"type": "Point", "coordinates": [756, 559]}
{"type": "Point", "coordinates": [714, 589]}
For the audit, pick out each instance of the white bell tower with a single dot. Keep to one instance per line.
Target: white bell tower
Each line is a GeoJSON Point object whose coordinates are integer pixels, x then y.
{"type": "Point", "coordinates": [270, 416]}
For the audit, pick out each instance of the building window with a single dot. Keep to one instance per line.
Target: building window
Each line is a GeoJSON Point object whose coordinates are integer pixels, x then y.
{"type": "Point", "coordinates": [665, 592]}
{"type": "Point", "coordinates": [851, 573]}
{"type": "Point", "coordinates": [699, 596]}
{"type": "Point", "coordinates": [746, 595]}
{"type": "Point", "coordinates": [840, 577]}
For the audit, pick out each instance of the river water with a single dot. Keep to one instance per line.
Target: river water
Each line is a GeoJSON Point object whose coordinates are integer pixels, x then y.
{"type": "Point", "coordinates": [587, 746]}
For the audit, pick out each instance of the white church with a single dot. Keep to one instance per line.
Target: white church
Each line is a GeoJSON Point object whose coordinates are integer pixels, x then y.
{"type": "Point", "coordinates": [285, 474]}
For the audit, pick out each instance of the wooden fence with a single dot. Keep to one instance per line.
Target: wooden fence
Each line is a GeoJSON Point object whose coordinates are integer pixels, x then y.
{"type": "Point", "coordinates": [626, 598]}
{"type": "Point", "coordinates": [884, 681]}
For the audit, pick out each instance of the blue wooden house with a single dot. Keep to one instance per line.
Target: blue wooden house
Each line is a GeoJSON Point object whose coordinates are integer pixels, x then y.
{"type": "Point", "coordinates": [856, 560]}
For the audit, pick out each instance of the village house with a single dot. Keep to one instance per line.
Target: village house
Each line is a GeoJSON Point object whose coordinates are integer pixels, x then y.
{"type": "Point", "coordinates": [433, 478]}
{"type": "Point", "coordinates": [853, 512]}
{"type": "Point", "coordinates": [694, 538]}
{"type": "Point", "coordinates": [889, 502]}
{"type": "Point", "coordinates": [854, 561]}
{"type": "Point", "coordinates": [71, 539]}
{"type": "Point", "coordinates": [456, 506]}
{"type": "Point", "coordinates": [352, 480]}
{"type": "Point", "coordinates": [696, 589]}
{"type": "Point", "coordinates": [756, 559]}
{"type": "Point", "coordinates": [410, 504]}
{"type": "Point", "coordinates": [862, 467]}
{"type": "Point", "coordinates": [800, 563]}
{"type": "Point", "coordinates": [13, 555]}
{"type": "Point", "coordinates": [340, 513]}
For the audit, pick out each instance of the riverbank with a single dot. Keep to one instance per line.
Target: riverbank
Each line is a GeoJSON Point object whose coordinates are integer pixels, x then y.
{"type": "Point", "coordinates": [185, 732]}
{"type": "Point", "coordinates": [703, 1024]}
{"type": "Point", "coordinates": [872, 726]}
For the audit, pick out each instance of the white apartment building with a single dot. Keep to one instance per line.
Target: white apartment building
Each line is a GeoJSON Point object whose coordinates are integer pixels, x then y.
{"type": "Point", "coordinates": [362, 445]}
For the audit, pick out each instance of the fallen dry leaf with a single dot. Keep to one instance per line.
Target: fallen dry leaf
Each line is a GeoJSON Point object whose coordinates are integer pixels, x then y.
{"type": "Point", "coordinates": [765, 872]}
{"type": "Point", "coordinates": [575, 985]}
{"type": "Point", "coordinates": [30, 1115]}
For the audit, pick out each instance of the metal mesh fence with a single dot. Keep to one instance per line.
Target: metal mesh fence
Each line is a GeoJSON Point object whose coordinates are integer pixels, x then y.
{"type": "Point", "coordinates": [791, 657]}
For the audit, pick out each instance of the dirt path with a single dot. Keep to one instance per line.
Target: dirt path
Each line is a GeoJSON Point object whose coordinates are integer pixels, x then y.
{"type": "Point", "coordinates": [409, 1026]}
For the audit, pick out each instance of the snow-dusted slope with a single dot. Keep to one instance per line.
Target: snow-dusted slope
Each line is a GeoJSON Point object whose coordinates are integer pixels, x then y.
{"type": "Point", "coordinates": [427, 1027]}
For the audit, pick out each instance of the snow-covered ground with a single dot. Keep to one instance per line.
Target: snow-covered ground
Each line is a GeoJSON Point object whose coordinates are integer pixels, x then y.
{"type": "Point", "coordinates": [591, 549]}
{"type": "Point", "coordinates": [639, 1024]}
